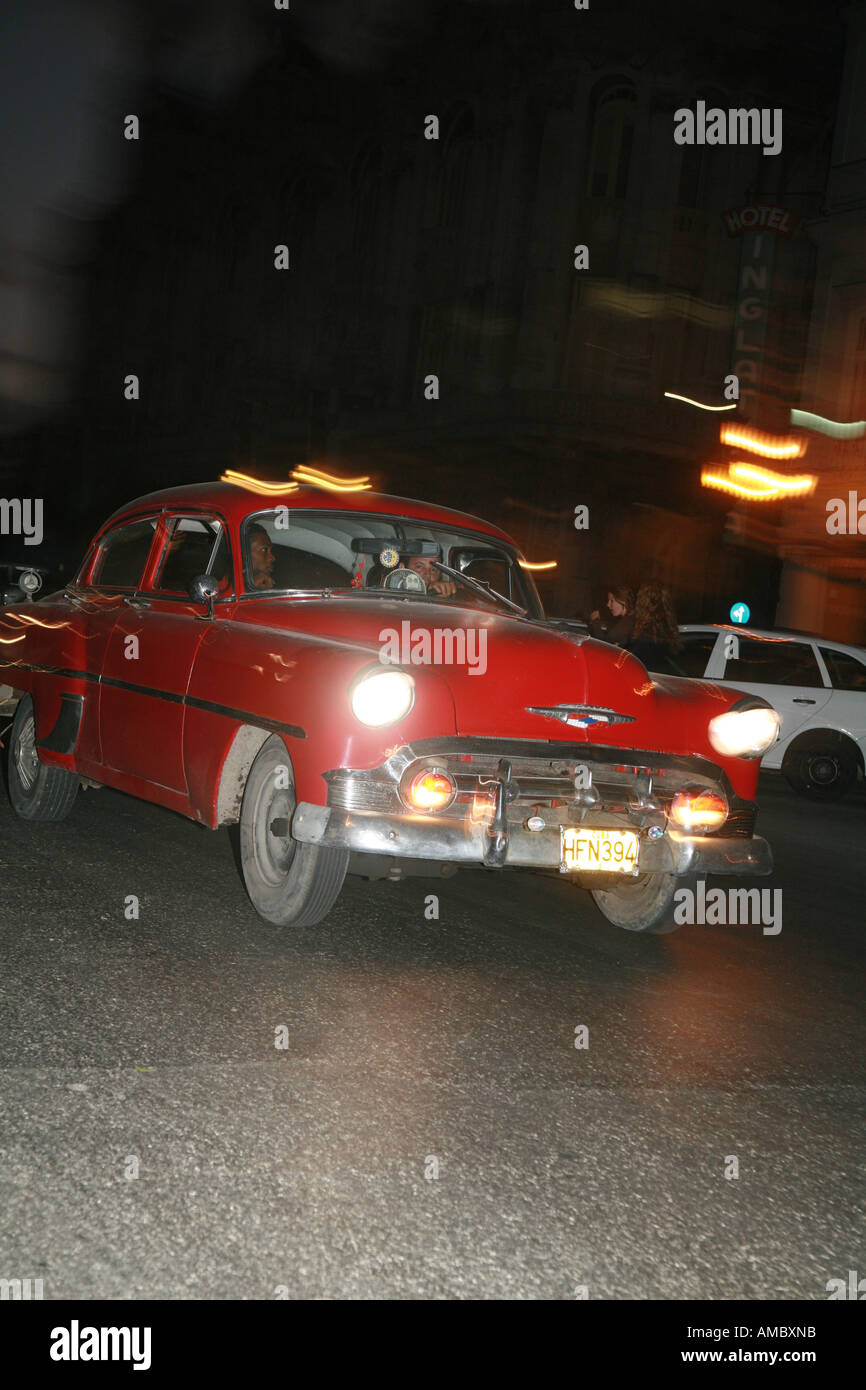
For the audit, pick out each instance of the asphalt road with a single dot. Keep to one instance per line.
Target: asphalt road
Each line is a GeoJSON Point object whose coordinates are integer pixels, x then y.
{"type": "Point", "coordinates": [412, 1044]}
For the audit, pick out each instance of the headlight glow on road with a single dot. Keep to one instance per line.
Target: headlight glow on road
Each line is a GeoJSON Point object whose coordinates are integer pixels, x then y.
{"type": "Point", "coordinates": [382, 698]}
{"type": "Point", "coordinates": [744, 733]}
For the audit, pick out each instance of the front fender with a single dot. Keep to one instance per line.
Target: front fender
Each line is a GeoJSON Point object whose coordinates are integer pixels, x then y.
{"type": "Point", "coordinates": [689, 705]}
{"type": "Point", "coordinates": [297, 687]}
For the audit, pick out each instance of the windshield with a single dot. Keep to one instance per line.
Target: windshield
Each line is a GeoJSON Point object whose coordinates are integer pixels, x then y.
{"type": "Point", "coordinates": [287, 550]}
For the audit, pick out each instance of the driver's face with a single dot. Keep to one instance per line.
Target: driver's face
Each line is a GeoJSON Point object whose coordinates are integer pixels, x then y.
{"type": "Point", "coordinates": [426, 568]}
{"type": "Point", "coordinates": [261, 557]}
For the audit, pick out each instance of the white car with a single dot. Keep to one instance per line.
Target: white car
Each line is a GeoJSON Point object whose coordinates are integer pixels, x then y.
{"type": "Point", "coordinates": [817, 686]}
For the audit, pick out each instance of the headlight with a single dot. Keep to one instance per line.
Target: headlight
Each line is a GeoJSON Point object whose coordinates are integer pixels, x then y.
{"type": "Point", "coordinates": [30, 581]}
{"type": "Point", "coordinates": [382, 698]}
{"type": "Point", "coordinates": [744, 733]}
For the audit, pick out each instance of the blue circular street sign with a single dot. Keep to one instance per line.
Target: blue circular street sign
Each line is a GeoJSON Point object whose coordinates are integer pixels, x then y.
{"type": "Point", "coordinates": [740, 613]}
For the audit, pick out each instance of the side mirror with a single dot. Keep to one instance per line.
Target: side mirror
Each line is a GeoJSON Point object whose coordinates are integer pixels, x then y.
{"type": "Point", "coordinates": [204, 589]}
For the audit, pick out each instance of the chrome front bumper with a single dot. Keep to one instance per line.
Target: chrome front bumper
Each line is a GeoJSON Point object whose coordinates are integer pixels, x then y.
{"type": "Point", "coordinates": [409, 836]}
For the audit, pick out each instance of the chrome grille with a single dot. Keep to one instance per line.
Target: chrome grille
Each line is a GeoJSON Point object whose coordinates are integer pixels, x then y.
{"type": "Point", "coordinates": [350, 792]}
{"type": "Point", "coordinates": [621, 792]}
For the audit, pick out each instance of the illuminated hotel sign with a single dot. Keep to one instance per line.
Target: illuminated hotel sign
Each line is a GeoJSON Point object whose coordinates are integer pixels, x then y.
{"type": "Point", "coordinates": [760, 216]}
{"type": "Point", "coordinates": [754, 223]}
{"type": "Point", "coordinates": [750, 324]}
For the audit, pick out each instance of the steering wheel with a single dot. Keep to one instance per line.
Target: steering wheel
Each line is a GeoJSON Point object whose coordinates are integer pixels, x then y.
{"type": "Point", "coordinates": [406, 580]}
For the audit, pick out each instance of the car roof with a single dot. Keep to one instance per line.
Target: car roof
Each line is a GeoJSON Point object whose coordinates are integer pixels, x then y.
{"type": "Point", "coordinates": [234, 502]}
{"type": "Point", "coordinates": [778, 634]}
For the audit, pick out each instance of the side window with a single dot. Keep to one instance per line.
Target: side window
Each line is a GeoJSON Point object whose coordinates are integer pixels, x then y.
{"type": "Point", "coordinates": [846, 672]}
{"type": "Point", "coordinates": [194, 546]}
{"type": "Point", "coordinates": [123, 555]}
{"type": "Point", "coordinates": [497, 570]}
{"type": "Point", "coordinates": [769, 662]}
{"type": "Point", "coordinates": [490, 569]}
{"type": "Point", "coordinates": [695, 652]}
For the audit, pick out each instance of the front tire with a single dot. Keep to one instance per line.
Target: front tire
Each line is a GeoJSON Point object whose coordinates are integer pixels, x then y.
{"type": "Point", "coordinates": [289, 884]}
{"type": "Point", "coordinates": [37, 792]}
{"type": "Point", "coordinates": [645, 903]}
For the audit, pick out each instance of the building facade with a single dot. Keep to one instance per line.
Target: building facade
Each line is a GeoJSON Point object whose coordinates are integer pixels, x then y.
{"type": "Point", "coordinates": [437, 325]}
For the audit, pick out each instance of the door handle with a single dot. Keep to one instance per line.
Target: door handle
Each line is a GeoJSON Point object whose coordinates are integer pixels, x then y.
{"type": "Point", "coordinates": [803, 702]}
{"type": "Point", "coordinates": [136, 602]}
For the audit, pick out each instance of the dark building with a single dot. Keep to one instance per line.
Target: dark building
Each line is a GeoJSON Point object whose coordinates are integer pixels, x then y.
{"type": "Point", "coordinates": [454, 257]}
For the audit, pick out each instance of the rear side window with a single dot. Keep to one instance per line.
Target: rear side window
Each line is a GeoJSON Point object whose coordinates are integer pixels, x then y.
{"type": "Point", "coordinates": [756, 661]}
{"type": "Point", "coordinates": [846, 672]}
{"type": "Point", "coordinates": [693, 655]}
{"type": "Point", "coordinates": [123, 555]}
{"type": "Point", "coordinates": [194, 546]}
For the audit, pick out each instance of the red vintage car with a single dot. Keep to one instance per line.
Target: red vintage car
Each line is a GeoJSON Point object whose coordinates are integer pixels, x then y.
{"type": "Point", "coordinates": [368, 684]}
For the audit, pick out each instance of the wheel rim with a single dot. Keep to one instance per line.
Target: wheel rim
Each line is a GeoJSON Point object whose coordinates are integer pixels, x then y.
{"type": "Point", "coordinates": [274, 853]}
{"type": "Point", "coordinates": [26, 756]}
{"type": "Point", "coordinates": [823, 770]}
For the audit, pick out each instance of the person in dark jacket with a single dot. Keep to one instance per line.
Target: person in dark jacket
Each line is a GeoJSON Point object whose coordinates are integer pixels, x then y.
{"type": "Point", "coordinates": [618, 628]}
{"type": "Point", "coordinates": [655, 637]}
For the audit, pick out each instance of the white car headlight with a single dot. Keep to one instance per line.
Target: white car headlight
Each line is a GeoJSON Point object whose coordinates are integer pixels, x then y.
{"type": "Point", "coordinates": [382, 697]}
{"type": "Point", "coordinates": [744, 733]}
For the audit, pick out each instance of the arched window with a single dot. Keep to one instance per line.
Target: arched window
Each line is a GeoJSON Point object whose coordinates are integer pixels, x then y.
{"type": "Point", "coordinates": [366, 196]}
{"type": "Point", "coordinates": [692, 166]}
{"type": "Point", "coordinates": [612, 115]}
{"type": "Point", "coordinates": [694, 160]}
{"type": "Point", "coordinates": [296, 200]}
{"type": "Point", "coordinates": [456, 162]}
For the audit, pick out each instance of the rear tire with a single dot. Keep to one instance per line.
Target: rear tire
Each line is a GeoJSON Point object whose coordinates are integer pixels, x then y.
{"type": "Point", "coordinates": [289, 884]}
{"type": "Point", "coordinates": [823, 768]}
{"type": "Point", "coordinates": [37, 792]}
{"type": "Point", "coordinates": [645, 903]}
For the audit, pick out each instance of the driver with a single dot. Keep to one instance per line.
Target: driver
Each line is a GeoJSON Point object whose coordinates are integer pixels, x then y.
{"type": "Point", "coordinates": [437, 583]}
{"type": "Point", "coordinates": [261, 556]}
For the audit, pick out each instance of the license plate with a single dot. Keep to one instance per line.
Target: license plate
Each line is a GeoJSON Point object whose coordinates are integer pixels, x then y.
{"type": "Point", "coordinates": [599, 851]}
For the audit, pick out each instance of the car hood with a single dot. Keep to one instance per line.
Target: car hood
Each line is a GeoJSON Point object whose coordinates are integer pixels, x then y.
{"type": "Point", "coordinates": [510, 676]}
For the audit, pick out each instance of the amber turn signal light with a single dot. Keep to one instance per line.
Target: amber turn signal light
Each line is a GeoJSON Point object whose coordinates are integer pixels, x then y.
{"type": "Point", "coordinates": [698, 809]}
{"type": "Point", "coordinates": [429, 790]}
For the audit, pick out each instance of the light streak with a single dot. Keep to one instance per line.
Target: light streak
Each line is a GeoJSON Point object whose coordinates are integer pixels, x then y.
{"type": "Point", "coordinates": [765, 445]}
{"type": "Point", "coordinates": [757, 484]}
{"type": "Point", "coordinates": [672, 395]}
{"type": "Point", "coordinates": [837, 429]}
{"type": "Point", "coordinates": [37, 622]}
{"type": "Point", "coordinates": [802, 484]}
{"type": "Point", "coordinates": [257, 485]}
{"type": "Point", "coordinates": [315, 477]}
{"type": "Point", "coordinates": [727, 484]}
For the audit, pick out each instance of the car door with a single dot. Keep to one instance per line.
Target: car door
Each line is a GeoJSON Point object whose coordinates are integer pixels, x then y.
{"type": "Point", "coordinates": [847, 674]}
{"type": "Point", "coordinates": [150, 654]}
{"type": "Point", "coordinates": [111, 573]}
{"type": "Point", "coordinates": [782, 670]}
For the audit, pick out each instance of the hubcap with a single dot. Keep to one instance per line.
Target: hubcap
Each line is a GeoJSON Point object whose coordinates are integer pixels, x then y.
{"type": "Point", "coordinates": [823, 770]}
{"type": "Point", "coordinates": [26, 756]}
{"type": "Point", "coordinates": [274, 811]}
